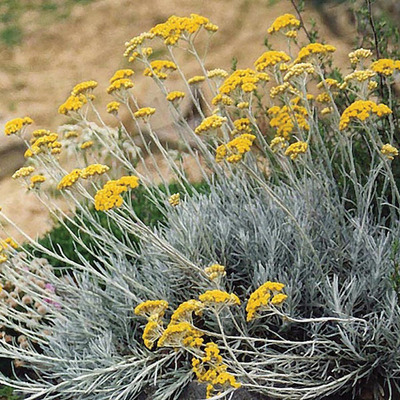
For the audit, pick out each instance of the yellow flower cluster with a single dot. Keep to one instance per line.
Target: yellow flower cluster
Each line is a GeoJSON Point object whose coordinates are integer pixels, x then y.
{"type": "Point", "coordinates": [284, 119]}
{"type": "Point", "coordinates": [217, 73]}
{"type": "Point", "coordinates": [260, 299]}
{"type": "Point", "coordinates": [23, 172]}
{"type": "Point", "coordinates": [135, 44]}
{"type": "Point", "coordinates": [196, 79]}
{"type": "Point", "coordinates": [121, 74]}
{"type": "Point", "coordinates": [389, 151]}
{"type": "Point", "coordinates": [361, 110]}
{"type": "Point", "coordinates": [314, 49]}
{"type": "Point", "coordinates": [284, 21]}
{"type": "Point", "coordinates": [184, 312]}
{"type": "Point", "coordinates": [174, 199]}
{"type": "Point", "coordinates": [113, 107]}
{"type": "Point", "coordinates": [175, 95]}
{"type": "Point", "coordinates": [176, 28]}
{"type": "Point", "coordinates": [360, 75]}
{"type": "Point", "coordinates": [270, 58]}
{"type": "Point", "coordinates": [153, 310]}
{"type": "Point", "coordinates": [83, 88]}
{"type": "Point", "coordinates": [360, 54]}
{"type": "Point", "coordinates": [244, 79]}
{"type": "Point", "coordinates": [211, 369]}
{"type": "Point", "coordinates": [48, 141]}
{"type": "Point", "coordinates": [4, 245]}
{"type": "Point", "coordinates": [210, 123]}
{"type": "Point", "coordinates": [295, 149]}
{"type": "Point", "coordinates": [159, 68]}
{"type": "Point", "coordinates": [144, 112]}
{"type": "Point", "coordinates": [233, 151]}
{"type": "Point", "coordinates": [178, 335]}
{"type": "Point", "coordinates": [94, 169]}
{"type": "Point", "coordinates": [73, 103]}
{"type": "Point", "coordinates": [385, 66]}
{"type": "Point", "coordinates": [298, 70]}
{"type": "Point", "coordinates": [243, 104]}
{"type": "Point", "coordinates": [110, 195]}
{"type": "Point", "coordinates": [215, 271]}
{"type": "Point", "coordinates": [219, 298]}
{"type": "Point", "coordinates": [69, 179]}
{"type": "Point", "coordinates": [15, 125]}
{"type": "Point", "coordinates": [323, 98]}
{"type": "Point", "coordinates": [120, 85]}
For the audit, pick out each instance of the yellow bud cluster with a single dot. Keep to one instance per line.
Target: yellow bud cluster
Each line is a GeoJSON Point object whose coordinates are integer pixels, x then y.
{"type": "Point", "coordinates": [69, 179]}
{"type": "Point", "coordinates": [35, 179]}
{"type": "Point", "coordinates": [23, 172]}
{"type": "Point", "coordinates": [385, 66]}
{"type": "Point", "coordinates": [120, 85]}
{"type": "Point", "coordinates": [121, 74]}
{"type": "Point", "coordinates": [196, 80]}
{"type": "Point", "coordinates": [93, 169]}
{"type": "Point", "coordinates": [144, 112]}
{"type": "Point", "coordinates": [217, 73]}
{"type": "Point", "coordinates": [242, 125]}
{"type": "Point", "coordinates": [210, 123]}
{"type": "Point", "coordinates": [215, 271]}
{"type": "Point", "coordinates": [323, 98]}
{"type": "Point", "coordinates": [110, 195]}
{"type": "Point", "coordinates": [361, 110]}
{"type": "Point", "coordinates": [298, 70]}
{"type": "Point", "coordinates": [233, 151]}
{"type": "Point", "coordinates": [175, 96]}
{"type": "Point", "coordinates": [360, 76]}
{"type": "Point", "coordinates": [16, 125]}
{"type": "Point", "coordinates": [73, 103]}
{"type": "Point", "coordinates": [159, 68]}
{"type": "Point", "coordinates": [243, 104]}
{"type": "Point", "coordinates": [42, 143]}
{"type": "Point", "coordinates": [389, 151]}
{"type": "Point", "coordinates": [135, 44]}
{"type": "Point", "coordinates": [295, 149]}
{"type": "Point", "coordinates": [270, 58]}
{"type": "Point", "coordinates": [212, 298]}
{"type": "Point", "coordinates": [113, 107]}
{"type": "Point", "coordinates": [176, 28]}
{"type": "Point", "coordinates": [87, 144]}
{"type": "Point", "coordinates": [83, 87]}
{"type": "Point", "coordinates": [360, 54]}
{"type": "Point", "coordinates": [260, 299]}
{"type": "Point", "coordinates": [222, 99]}
{"type": "Point", "coordinates": [244, 79]}
{"type": "Point", "coordinates": [284, 21]}
{"type": "Point", "coordinates": [278, 143]}
{"type": "Point", "coordinates": [313, 49]}
{"type": "Point", "coordinates": [174, 200]}
{"type": "Point", "coordinates": [329, 82]}
{"type": "Point", "coordinates": [40, 132]}
{"type": "Point", "coordinates": [277, 90]}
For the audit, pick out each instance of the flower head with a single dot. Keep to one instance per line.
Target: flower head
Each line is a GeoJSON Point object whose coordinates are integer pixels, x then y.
{"type": "Point", "coordinates": [286, 21]}
{"type": "Point", "coordinates": [16, 125]}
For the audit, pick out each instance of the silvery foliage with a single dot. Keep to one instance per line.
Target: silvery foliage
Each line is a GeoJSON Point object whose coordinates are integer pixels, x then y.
{"type": "Point", "coordinates": [339, 326]}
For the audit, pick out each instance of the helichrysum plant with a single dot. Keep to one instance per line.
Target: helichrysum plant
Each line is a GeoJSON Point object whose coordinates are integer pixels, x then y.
{"type": "Point", "coordinates": [278, 281]}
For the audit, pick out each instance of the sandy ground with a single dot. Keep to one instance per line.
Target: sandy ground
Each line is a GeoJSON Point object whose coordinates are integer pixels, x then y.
{"type": "Point", "coordinates": [38, 75]}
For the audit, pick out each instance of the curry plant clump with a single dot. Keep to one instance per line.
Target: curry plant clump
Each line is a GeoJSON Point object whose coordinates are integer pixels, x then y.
{"type": "Point", "coordinates": [278, 279]}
